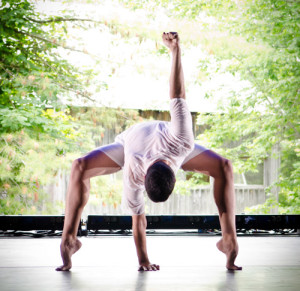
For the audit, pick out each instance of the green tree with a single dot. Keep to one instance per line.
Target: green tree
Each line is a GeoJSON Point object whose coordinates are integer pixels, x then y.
{"type": "Point", "coordinates": [38, 134]}
{"type": "Point", "coordinates": [260, 41]}
{"type": "Point", "coordinates": [256, 40]}
{"type": "Point", "coordinates": [270, 115]}
{"type": "Point", "coordinates": [33, 137]}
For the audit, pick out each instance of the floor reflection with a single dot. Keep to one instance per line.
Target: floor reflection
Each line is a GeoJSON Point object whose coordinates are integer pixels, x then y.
{"type": "Point", "coordinates": [141, 281]}
{"type": "Point", "coordinates": [230, 282]}
{"type": "Point", "coordinates": [66, 280]}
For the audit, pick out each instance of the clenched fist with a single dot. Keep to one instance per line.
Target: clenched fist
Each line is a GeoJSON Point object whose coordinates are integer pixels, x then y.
{"type": "Point", "coordinates": [171, 40]}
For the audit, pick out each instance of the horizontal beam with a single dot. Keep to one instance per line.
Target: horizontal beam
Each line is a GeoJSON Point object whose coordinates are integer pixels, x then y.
{"type": "Point", "coordinates": [31, 222]}
{"type": "Point", "coordinates": [205, 222]}
{"type": "Point", "coordinates": [116, 222]}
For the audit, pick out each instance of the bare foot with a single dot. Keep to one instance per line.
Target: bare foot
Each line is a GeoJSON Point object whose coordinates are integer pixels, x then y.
{"type": "Point", "coordinates": [230, 249]}
{"type": "Point", "coordinates": [68, 247]}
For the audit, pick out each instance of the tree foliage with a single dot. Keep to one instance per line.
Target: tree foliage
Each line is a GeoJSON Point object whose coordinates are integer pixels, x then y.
{"type": "Point", "coordinates": [39, 136]}
{"type": "Point", "coordinates": [36, 130]}
{"type": "Point", "coordinates": [32, 72]}
{"type": "Point", "coordinates": [260, 41]}
{"type": "Point", "coordinates": [271, 114]}
{"type": "Point", "coordinates": [257, 41]}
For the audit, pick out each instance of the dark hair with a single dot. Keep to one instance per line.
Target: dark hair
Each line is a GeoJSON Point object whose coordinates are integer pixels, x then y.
{"type": "Point", "coordinates": [159, 181]}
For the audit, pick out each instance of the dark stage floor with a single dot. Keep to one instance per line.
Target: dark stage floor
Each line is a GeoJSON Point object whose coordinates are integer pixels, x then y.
{"type": "Point", "coordinates": [187, 263]}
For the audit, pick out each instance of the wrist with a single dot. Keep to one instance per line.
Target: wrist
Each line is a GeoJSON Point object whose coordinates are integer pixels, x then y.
{"type": "Point", "coordinates": [175, 49]}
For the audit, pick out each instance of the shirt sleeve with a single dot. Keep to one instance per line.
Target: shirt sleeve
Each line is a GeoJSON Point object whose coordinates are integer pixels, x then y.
{"type": "Point", "coordinates": [133, 186]}
{"type": "Point", "coordinates": [181, 122]}
{"type": "Point", "coordinates": [133, 200]}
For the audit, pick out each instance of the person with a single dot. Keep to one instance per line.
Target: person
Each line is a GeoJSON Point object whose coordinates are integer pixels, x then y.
{"type": "Point", "coordinates": [150, 153]}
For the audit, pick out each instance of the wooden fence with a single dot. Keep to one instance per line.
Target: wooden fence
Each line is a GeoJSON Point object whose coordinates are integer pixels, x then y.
{"type": "Point", "coordinates": [199, 201]}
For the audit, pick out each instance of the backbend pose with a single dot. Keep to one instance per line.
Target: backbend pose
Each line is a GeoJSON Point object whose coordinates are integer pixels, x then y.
{"type": "Point", "coordinates": [150, 153]}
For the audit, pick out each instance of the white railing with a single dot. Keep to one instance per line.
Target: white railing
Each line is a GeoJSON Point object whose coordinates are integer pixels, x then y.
{"type": "Point", "coordinates": [200, 201]}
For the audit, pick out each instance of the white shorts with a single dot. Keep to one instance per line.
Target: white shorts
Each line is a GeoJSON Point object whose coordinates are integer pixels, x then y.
{"type": "Point", "coordinates": [116, 152]}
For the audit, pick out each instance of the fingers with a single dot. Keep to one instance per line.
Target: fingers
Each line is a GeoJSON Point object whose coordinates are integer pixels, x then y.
{"type": "Point", "coordinates": [151, 267]}
{"type": "Point", "coordinates": [173, 35]}
{"type": "Point", "coordinates": [170, 35]}
{"type": "Point", "coordinates": [156, 267]}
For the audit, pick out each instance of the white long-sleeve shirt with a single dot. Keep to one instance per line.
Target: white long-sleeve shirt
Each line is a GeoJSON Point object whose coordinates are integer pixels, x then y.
{"type": "Point", "coordinates": [147, 142]}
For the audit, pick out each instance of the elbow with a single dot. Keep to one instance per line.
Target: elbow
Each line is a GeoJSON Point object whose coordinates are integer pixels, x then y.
{"type": "Point", "coordinates": [139, 222]}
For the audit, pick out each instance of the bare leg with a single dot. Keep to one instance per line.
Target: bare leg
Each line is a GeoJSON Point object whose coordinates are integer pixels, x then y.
{"type": "Point", "coordinates": [93, 164]}
{"type": "Point", "coordinates": [220, 169]}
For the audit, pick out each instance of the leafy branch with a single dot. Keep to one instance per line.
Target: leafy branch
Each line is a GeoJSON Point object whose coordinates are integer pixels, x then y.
{"type": "Point", "coordinates": [62, 19]}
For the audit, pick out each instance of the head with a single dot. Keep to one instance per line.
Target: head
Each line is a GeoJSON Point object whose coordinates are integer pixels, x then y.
{"type": "Point", "coordinates": [159, 181]}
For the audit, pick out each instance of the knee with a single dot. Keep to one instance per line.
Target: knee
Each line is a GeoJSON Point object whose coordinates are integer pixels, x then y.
{"type": "Point", "coordinates": [224, 169]}
{"type": "Point", "coordinates": [78, 174]}
{"type": "Point", "coordinates": [227, 168]}
{"type": "Point", "coordinates": [77, 166]}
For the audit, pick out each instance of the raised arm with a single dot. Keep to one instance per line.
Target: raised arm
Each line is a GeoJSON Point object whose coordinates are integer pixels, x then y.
{"type": "Point", "coordinates": [181, 120]}
{"type": "Point", "coordinates": [177, 89]}
{"type": "Point", "coordinates": [139, 225]}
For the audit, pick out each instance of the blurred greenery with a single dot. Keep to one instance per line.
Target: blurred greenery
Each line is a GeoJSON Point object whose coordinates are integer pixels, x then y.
{"type": "Point", "coordinates": [256, 40]}
{"type": "Point", "coordinates": [33, 138]}
{"type": "Point", "coordinates": [38, 134]}
{"type": "Point", "coordinates": [260, 39]}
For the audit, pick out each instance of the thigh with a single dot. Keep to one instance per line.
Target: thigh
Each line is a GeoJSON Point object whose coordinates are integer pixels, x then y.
{"type": "Point", "coordinates": [198, 149]}
{"type": "Point", "coordinates": [207, 162]}
{"type": "Point", "coordinates": [103, 160]}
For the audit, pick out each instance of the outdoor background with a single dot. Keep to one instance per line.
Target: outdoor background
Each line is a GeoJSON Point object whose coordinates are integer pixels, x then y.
{"type": "Point", "coordinates": [74, 74]}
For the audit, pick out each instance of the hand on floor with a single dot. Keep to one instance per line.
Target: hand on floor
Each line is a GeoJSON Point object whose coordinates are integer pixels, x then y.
{"type": "Point", "coordinates": [148, 267]}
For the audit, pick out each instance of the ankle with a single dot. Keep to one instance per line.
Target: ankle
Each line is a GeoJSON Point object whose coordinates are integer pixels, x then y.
{"type": "Point", "coordinates": [68, 238]}
{"type": "Point", "coordinates": [229, 237]}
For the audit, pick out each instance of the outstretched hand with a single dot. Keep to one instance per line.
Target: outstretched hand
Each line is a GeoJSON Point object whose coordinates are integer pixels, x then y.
{"type": "Point", "coordinates": [148, 267]}
{"type": "Point", "coordinates": [171, 40]}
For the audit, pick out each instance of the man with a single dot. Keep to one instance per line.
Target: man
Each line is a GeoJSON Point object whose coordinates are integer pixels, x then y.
{"type": "Point", "coordinates": [150, 154]}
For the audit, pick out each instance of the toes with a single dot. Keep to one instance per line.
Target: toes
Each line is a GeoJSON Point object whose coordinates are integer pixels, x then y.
{"type": "Point", "coordinates": [59, 269]}
{"type": "Point", "coordinates": [234, 268]}
{"type": "Point", "coordinates": [63, 268]}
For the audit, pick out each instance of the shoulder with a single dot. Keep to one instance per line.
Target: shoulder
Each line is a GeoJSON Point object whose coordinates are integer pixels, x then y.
{"type": "Point", "coordinates": [146, 127]}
